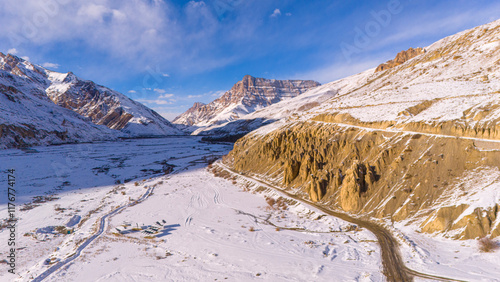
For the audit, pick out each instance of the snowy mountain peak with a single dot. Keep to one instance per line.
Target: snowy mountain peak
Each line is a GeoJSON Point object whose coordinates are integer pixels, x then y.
{"type": "Point", "coordinates": [107, 107]}
{"type": "Point", "coordinates": [246, 96]}
{"type": "Point", "coordinates": [35, 119]}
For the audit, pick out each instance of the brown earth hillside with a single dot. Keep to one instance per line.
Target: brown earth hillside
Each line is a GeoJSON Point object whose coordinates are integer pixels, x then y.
{"type": "Point", "coordinates": [379, 173]}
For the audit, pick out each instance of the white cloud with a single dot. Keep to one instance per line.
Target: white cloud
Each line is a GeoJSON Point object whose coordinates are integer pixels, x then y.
{"type": "Point", "coordinates": [288, 14]}
{"type": "Point", "coordinates": [161, 91]}
{"type": "Point", "coordinates": [132, 91]}
{"type": "Point", "coordinates": [183, 38]}
{"type": "Point", "coordinates": [217, 93]}
{"type": "Point", "coordinates": [26, 58]}
{"type": "Point", "coordinates": [166, 96]}
{"type": "Point", "coordinates": [169, 115]}
{"type": "Point", "coordinates": [170, 112]}
{"type": "Point", "coordinates": [136, 29]}
{"type": "Point", "coordinates": [338, 71]}
{"type": "Point", "coordinates": [93, 12]}
{"type": "Point", "coordinates": [276, 13]}
{"type": "Point", "coordinates": [435, 24]}
{"type": "Point", "coordinates": [12, 51]}
{"type": "Point", "coordinates": [155, 101]}
{"type": "Point", "coordinates": [50, 65]}
{"type": "Point", "coordinates": [195, 96]}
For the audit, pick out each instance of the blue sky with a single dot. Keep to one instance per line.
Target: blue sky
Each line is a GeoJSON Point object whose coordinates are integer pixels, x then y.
{"type": "Point", "coordinates": [170, 54]}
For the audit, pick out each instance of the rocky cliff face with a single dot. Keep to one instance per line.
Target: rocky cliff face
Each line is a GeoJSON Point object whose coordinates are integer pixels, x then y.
{"type": "Point", "coordinates": [28, 117]}
{"type": "Point", "coordinates": [401, 58]}
{"type": "Point", "coordinates": [246, 96]}
{"type": "Point", "coordinates": [101, 105]}
{"type": "Point", "coordinates": [417, 143]}
{"type": "Point", "coordinates": [385, 175]}
{"type": "Point", "coordinates": [192, 115]}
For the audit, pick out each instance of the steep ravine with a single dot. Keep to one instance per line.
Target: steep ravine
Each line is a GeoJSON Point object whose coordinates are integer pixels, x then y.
{"type": "Point", "coordinates": [380, 173]}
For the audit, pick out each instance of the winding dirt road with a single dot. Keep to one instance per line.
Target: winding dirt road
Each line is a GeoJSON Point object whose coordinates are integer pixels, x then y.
{"type": "Point", "coordinates": [394, 268]}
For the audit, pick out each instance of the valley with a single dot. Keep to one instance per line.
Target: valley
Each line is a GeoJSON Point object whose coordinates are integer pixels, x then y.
{"type": "Point", "coordinates": [212, 225]}
{"type": "Point", "coordinates": [215, 221]}
{"type": "Point", "coordinates": [389, 174]}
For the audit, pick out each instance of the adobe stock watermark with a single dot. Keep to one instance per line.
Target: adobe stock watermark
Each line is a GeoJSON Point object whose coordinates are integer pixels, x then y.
{"type": "Point", "coordinates": [11, 221]}
{"type": "Point", "coordinates": [153, 79]}
{"type": "Point", "coordinates": [222, 7]}
{"type": "Point", "coordinates": [31, 26]}
{"type": "Point", "coordinates": [372, 29]}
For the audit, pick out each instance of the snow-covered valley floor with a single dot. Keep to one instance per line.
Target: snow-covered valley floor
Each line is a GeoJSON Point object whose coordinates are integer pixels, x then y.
{"type": "Point", "coordinates": [209, 228]}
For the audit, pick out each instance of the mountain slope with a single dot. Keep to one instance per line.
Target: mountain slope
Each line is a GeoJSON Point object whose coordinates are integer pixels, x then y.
{"type": "Point", "coordinates": [246, 96]}
{"type": "Point", "coordinates": [102, 105]}
{"type": "Point", "coordinates": [28, 117]}
{"type": "Point", "coordinates": [418, 142]}
{"type": "Point", "coordinates": [107, 107]}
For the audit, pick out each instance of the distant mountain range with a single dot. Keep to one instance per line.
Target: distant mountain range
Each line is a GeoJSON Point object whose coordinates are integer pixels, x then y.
{"type": "Point", "coordinates": [39, 106]}
{"type": "Point", "coordinates": [246, 96]}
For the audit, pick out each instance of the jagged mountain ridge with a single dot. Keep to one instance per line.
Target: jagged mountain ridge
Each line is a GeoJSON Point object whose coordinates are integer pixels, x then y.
{"type": "Point", "coordinates": [101, 104]}
{"type": "Point", "coordinates": [415, 143]}
{"type": "Point", "coordinates": [192, 115]}
{"type": "Point", "coordinates": [28, 117]}
{"type": "Point", "coordinates": [246, 96]}
{"type": "Point", "coordinates": [107, 107]}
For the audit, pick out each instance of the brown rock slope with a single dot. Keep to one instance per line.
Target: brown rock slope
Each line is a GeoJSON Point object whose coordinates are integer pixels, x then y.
{"type": "Point", "coordinates": [383, 174]}
{"type": "Point", "coordinates": [401, 58]}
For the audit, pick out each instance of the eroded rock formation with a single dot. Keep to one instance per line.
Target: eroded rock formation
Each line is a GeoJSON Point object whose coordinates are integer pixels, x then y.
{"type": "Point", "coordinates": [401, 58]}
{"type": "Point", "coordinates": [378, 173]}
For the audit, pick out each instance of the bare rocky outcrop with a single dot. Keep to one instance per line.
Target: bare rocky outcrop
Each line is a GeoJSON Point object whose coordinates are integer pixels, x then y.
{"type": "Point", "coordinates": [401, 58]}
{"type": "Point", "coordinates": [192, 115]}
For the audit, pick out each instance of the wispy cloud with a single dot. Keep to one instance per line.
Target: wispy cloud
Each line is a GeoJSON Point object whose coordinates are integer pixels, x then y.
{"type": "Point", "coordinates": [431, 24]}
{"type": "Point", "coordinates": [12, 51]}
{"type": "Point", "coordinates": [50, 65]}
{"type": "Point", "coordinates": [166, 96]}
{"type": "Point", "coordinates": [336, 71]}
{"type": "Point", "coordinates": [217, 94]}
{"type": "Point", "coordinates": [276, 13]}
{"type": "Point", "coordinates": [155, 101]}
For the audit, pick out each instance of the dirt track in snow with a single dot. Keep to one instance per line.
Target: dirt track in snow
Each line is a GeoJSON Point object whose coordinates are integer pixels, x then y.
{"type": "Point", "coordinates": [394, 267]}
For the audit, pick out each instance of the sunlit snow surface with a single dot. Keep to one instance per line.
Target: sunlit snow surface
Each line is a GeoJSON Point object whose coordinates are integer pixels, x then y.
{"type": "Point", "coordinates": [208, 220]}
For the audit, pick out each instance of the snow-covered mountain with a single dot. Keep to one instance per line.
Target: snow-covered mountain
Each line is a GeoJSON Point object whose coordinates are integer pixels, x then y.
{"type": "Point", "coordinates": [28, 117]}
{"type": "Point", "coordinates": [415, 140]}
{"type": "Point", "coordinates": [101, 105]}
{"type": "Point", "coordinates": [105, 106]}
{"type": "Point", "coordinates": [246, 96]}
